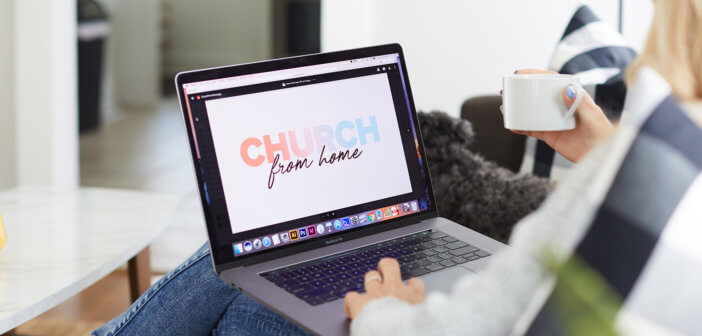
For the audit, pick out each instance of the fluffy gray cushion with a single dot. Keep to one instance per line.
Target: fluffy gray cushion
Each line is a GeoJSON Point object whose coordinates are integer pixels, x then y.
{"type": "Point", "coordinates": [469, 190]}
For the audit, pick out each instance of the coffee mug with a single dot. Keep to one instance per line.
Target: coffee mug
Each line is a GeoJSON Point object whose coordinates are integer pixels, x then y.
{"type": "Point", "coordinates": [533, 102]}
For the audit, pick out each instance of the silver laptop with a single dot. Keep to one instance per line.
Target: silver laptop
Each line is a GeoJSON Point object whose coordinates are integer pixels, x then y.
{"type": "Point", "coordinates": [310, 170]}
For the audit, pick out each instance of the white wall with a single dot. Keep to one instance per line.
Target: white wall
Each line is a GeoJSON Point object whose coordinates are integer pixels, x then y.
{"type": "Point", "coordinates": [216, 32]}
{"type": "Point", "coordinates": [8, 154]}
{"type": "Point", "coordinates": [38, 121]}
{"type": "Point", "coordinates": [456, 49]}
{"type": "Point", "coordinates": [636, 21]}
{"type": "Point", "coordinates": [133, 60]}
{"type": "Point", "coordinates": [45, 92]}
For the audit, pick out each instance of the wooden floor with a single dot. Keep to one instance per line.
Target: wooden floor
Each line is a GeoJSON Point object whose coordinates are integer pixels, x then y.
{"type": "Point", "coordinates": [84, 312]}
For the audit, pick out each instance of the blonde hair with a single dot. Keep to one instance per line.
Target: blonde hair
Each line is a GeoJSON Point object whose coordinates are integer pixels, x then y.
{"type": "Point", "coordinates": [674, 46]}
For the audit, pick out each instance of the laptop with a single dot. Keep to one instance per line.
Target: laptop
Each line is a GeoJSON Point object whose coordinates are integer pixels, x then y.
{"type": "Point", "coordinates": [311, 169]}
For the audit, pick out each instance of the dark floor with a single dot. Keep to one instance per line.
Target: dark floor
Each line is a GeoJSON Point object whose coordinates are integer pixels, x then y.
{"type": "Point", "coordinates": [84, 312]}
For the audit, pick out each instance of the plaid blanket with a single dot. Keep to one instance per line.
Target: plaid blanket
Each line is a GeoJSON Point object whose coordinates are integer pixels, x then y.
{"type": "Point", "coordinates": [643, 238]}
{"type": "Point", "coordinates": [599, 56]}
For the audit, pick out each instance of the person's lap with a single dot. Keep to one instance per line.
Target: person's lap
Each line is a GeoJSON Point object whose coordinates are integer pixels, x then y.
{"type": "Point", "coordinates": [244, 316]}
{"type": "Point", "coordinates": [193, 300]}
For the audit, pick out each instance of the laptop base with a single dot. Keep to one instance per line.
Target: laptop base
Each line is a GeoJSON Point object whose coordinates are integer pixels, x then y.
{"type": "Point", "coordinates": [329, 318]}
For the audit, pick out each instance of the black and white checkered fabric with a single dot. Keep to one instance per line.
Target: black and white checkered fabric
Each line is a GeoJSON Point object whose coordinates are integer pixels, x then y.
{"type": "Point", "coordinates": [644, 238]}
{"type": "Point", "coordinates": [599, 56]}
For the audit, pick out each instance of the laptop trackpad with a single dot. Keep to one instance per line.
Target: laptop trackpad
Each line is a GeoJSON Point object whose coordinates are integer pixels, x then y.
{"type": "Point", "coordinates": [443, 281]}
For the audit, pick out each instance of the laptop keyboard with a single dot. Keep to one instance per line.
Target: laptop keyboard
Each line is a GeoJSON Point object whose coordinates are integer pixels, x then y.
{"type": "Point", "coordinates": [330, 278]}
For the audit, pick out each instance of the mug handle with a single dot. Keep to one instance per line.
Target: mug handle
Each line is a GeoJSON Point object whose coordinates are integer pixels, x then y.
{"type": "Point", "coordinates": [578, 99]}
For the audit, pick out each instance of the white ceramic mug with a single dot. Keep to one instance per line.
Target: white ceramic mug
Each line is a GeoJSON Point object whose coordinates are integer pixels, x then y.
{"type": "Point", "coordinates": [533, 102]}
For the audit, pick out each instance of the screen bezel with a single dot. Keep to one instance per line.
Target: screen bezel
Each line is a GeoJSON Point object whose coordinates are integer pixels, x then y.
{"type": "Point", "coordinates": [223, 262]}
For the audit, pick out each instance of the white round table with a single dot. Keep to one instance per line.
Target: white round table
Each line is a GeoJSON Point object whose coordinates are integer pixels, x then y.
{"type": "Point", "coordinates": [61, 242]}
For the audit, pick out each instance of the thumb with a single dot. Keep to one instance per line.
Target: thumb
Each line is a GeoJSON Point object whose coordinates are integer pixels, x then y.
{"type": "Point", "coordinates": [569, 94]}
{"type": "Point", "coordinates": [588, 111]}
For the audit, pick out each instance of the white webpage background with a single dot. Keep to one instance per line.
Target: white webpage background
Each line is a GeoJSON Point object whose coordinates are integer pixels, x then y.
{"type": "Point", "coordinates": [380, 172]}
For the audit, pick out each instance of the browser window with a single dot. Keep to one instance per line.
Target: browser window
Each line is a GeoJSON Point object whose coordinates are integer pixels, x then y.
{"type": "Point", "coordinates": [323, 140]}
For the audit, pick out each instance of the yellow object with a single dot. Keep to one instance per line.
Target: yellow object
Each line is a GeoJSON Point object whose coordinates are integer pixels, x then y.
{"type": "Point", "coordinates": [3, 236]}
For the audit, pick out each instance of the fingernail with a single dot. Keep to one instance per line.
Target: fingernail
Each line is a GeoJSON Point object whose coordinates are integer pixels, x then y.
{"type": "Point", "coordinates": [500, 92]}
{"type": "Point", "coordinates": [570, 92]}
{"type": "Point", "coordinates": [515, 71]}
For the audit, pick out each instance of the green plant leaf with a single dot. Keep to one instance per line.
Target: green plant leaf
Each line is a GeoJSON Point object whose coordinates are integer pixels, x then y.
{"type": "Point", "coordinates": [586, 303]}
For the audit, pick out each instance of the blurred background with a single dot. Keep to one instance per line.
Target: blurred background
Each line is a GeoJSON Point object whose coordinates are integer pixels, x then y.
{"type": "Point", "coordinates": [87, 85]}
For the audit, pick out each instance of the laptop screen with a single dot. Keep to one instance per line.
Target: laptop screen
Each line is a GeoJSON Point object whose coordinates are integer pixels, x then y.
{"type": "Point", "coordinates": [297, 154]}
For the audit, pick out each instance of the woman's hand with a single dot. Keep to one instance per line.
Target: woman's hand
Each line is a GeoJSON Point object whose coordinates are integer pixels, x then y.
{"type": "Point", "coordinates": [591, 125]}
{"type": "Point", "coordinates": [386, 281]}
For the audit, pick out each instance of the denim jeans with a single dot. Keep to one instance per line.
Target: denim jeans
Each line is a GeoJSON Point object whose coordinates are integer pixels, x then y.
{"type": "Point", "coordinates": [192, 300]}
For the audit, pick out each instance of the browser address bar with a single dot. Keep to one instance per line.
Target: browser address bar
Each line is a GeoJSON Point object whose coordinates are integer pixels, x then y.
{"type": "Point", "coordinates": [277, 77]}
{"type": "Point", "coordinates": [238, 81]}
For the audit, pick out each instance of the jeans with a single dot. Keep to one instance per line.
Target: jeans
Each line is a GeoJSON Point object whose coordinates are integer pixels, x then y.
{"type": "Point", "coordinates": [193, 300]}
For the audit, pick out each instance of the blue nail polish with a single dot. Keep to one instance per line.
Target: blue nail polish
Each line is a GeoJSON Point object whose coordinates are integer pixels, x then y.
{"type": "Point", "coordinates": [570, 92]}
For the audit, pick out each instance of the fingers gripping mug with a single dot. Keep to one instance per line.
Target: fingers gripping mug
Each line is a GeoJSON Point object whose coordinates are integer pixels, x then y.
{"type": "Point", "coordinates": [533, 102]}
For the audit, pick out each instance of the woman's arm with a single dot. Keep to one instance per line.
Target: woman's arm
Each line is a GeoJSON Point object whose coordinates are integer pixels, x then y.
{"type": "Point", "coordinates": [486, 304]}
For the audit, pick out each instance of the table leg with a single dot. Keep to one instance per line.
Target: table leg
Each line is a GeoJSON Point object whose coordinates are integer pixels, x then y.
{"type": "Point", "coordinates": [139, 268]}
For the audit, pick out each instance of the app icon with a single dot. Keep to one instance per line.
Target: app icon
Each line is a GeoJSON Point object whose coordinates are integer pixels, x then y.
{"type": "Point", "coordinates": [257, 244]}
{"type": "Point", "coordinates": [353, 220]}
{"type": "Point", "coordinates": [414, 205]}
{"type": "Point", "coordinates": [345, 222]}
{"type": "Point", "coordinates": [320, 228]}
{"type": "Point", "coordinates": [238, 249]}
{"type": "Point", "coordinates": [337, 224]}
{"type": "Point", "coordinates": [311, 231]}
{"type": "Point", "coordinates": [406, 207]}
{"type": "Point", "coordinates": [388, 213]}
{"type": "Point", "coordinates": [362, 220]}
{"type": "Point", "coordinates": [285, 237]}
{"type": "Point", "coordinates": [329, 226]}
{"type": "Point", "coordinates": [247, 246]}
{"type": "Point", "coordinates": [379, 214]}
{"type": "Point", "coordinates": [293, 235]}
{"type": "Point", "coordinates": [303, 232]}
{"type": "Point", "coordinates": [276, 240]}
{"type": "Point", "coordinates": [266, 241]}
{"type": "Point", "coordinates": [394, 211]}
{"type": "Point", "coordinates": [371, 217]}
